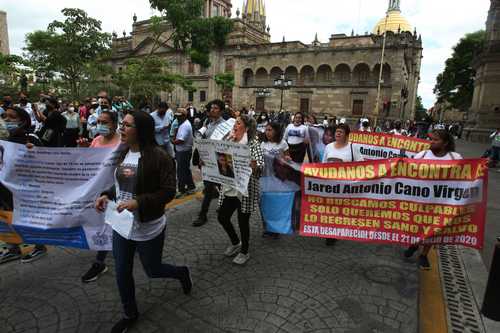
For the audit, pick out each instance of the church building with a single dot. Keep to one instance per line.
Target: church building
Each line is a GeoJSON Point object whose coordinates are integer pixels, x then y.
{"type": "Point", "coordinates": [343, 76]}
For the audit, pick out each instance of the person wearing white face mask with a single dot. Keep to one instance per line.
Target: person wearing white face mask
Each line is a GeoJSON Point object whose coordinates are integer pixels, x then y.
{"type": "Point", "coordinates": [107, 137]}
{"type": "Point", "coordinates": [72, 130]}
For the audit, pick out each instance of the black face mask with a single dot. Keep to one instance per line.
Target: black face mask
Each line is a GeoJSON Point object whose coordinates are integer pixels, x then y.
{"type": "Point", "coordinates": [23, 100]}
{"type": "Point", "coordinates": [95, 106]}
{"type": "Point", "coordinates": [7, 103]}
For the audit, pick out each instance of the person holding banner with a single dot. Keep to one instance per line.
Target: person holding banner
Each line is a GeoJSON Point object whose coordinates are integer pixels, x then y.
{"type": "Point", "coordinates": [18, 123]}
{"type": "Point", "coordinates": [297, 138]}
{"type": "Point", "coordinates": [274, 146]}
{"type": "Point", "coordinates": [145, 183]}
{"type": "Point", "coordinates": [443, 149]}
{"type": "Point", "coordinates": [341, 151]}
{"type": "Point", "coordinates": [108, 137]}
{"type": "Point", "coordinates": [230, 200]}
{"type": "Point", "coordinates": [215, 109]}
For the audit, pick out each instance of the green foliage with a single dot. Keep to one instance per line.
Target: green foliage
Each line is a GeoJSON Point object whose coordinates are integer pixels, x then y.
{"type": "Point", "coordinates": [146, 77]}
{"type": "Point", "coordinates": [225, 81]}
{"type": "Point", "coordinates": [194, 34]}
{"type": "Point", "coordinates": [456, 83]}
{"type": "Point", "coordinates": [70, 47]}
{"type": "Point", "coordinates": [420, 111]}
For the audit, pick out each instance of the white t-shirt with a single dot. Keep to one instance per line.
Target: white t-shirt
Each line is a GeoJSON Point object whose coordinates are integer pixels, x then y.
{"type": "Point", "coordinates": [185, 133]}
{"type": "Point", "coordinates": [295, 135]}
{"type": "Point", "coordinates": [274, 148]}
{"type": "Point", "coordinates": [429, 155]}
{"type": "Point", "coordinates": [125, 181]}
{"type": "Point", "coordinates": [398, 132]}
{"type": "Point", "coordinates": [162, 135]}
{"type": "Point", "coordinates": [349, 153]}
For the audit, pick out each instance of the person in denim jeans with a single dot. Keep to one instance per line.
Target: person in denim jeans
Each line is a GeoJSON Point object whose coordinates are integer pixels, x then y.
{"type": "Point", "coordinates": [145, 183]}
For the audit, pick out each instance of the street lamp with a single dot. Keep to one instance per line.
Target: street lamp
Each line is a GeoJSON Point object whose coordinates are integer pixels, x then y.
{"type": "Point", "coordinates": [282, 83]}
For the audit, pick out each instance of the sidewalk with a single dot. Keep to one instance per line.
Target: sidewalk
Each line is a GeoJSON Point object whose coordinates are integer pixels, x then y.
{"type": "Point", "coordinates": [293, 284]}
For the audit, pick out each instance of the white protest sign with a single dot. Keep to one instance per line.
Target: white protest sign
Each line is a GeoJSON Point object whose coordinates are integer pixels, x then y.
{"type": "Point", "coordinates": [225, 163]}
{"type": "Point", "coordinates": [223, 129]}
{"type": "Point", "coordinates": [54, 191]}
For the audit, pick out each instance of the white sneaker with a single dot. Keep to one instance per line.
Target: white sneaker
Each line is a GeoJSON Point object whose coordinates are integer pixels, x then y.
{"type": "Point", "coordinates": [241, 258]}
{"type": "Point", "coordinates": [232, 250]}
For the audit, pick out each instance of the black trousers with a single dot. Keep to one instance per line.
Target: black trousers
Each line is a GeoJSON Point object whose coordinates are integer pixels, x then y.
{"type": "Point", "coordinates": [298, 152]}
{"type": "Point", "coordinates": [229, 206]}
{"type": "Point", "coordinates": [210, 192]}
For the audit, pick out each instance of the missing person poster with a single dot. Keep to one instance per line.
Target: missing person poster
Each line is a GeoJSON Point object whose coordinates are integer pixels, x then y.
{"type": "Point", "coordinates": [401, 201]}
{"type": "Point", "coordinates": [225, 163]}
{"type": "Point", "coordinates": [48, 195]}
{"type": "Point", "coordinates": [376, 146]}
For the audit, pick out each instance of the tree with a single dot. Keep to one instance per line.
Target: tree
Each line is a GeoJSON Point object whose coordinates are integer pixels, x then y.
{"type": "Point", "coordinates": [456, 83]}
{"type": "Point", "coordinates": [181, 27]}
{"type": "Point", "coordinates": [68, 47]}
{"type": "Point", "coordinates": [146, 77]}
{"type": "Point", "coordinates": [225, 81]}
{"type": "Point", "coordinates": [10, 73]}
{"type": "Point", "coordinates": [420, 111]}
{"type": "Point", "coordinates": [191, 32]}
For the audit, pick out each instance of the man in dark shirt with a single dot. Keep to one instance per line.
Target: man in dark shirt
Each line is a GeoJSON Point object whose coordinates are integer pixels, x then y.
{"type": "Point", "coordinates": [53, 125]}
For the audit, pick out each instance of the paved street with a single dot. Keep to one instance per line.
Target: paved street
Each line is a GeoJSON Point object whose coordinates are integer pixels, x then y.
{"type": "Point", "coordinates": [292, 284]}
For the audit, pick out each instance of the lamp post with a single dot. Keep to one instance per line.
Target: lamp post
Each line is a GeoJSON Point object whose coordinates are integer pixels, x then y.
{"type": "Point", "coordinates": [282, 83]}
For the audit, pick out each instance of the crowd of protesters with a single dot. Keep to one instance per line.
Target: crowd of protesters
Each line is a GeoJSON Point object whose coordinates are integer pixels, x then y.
{"type": "Point", "coordinates": [160, 155]}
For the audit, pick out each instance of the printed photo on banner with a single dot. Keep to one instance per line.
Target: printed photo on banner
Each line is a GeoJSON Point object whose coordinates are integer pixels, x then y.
{"type": "Point", "coordinates": [225, 163]}
{"type": "Point", "coordinates": [401, 201]}
{"type": "Point", "coordinates": [50, 195]}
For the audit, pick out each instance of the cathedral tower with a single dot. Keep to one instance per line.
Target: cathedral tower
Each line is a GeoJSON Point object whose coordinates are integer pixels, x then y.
{"type": "Point", "coordinates": [486, 101]}
{"type": "Point", "coordinates": [4, 33]}
{"type": "Point", "coordinates": [254, 13]}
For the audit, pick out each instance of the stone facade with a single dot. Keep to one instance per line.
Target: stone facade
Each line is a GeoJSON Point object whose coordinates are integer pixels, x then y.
{"type": "Point", "coordinates": [485, 109]}
{"type": "Point", "coordinates": [339, 77]}
{"type": "Point", "coordinates": [4, 34]}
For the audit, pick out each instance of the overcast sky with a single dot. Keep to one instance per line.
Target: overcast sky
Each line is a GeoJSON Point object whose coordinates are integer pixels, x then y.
{"type": "Point", "coordinates": [441, 22]}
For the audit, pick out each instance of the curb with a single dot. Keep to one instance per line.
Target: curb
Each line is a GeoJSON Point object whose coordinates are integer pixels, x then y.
{"type": "Point", "coordinates": [477, 276]}
{"type": "Point", "coordinates": [431, 307]}
{"type": "Point", "coordinates": [438, 312]}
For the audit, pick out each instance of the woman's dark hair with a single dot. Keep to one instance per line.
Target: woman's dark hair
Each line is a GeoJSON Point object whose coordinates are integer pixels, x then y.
{"type": "Point", "coordinates": [345, 128]}
{"type": "Point", "coordinates": [277, 132]}
{"type": "Point", "coordinates": [219, 103]}
{"type": "Point", "coordinates": [23, 115]}
{"type": "Point", "coordinates": [301, 114]}
{"type": "Point", "coordinates": [113, 116]}
{"type": "Point", "coordinates": [447, 138]}
{"type": "Point", "coordinates": [145, 128]}
{"type": "Point", "coordinates": [251, 126]}
{"type": "Point", "coordinates": [330, 129]}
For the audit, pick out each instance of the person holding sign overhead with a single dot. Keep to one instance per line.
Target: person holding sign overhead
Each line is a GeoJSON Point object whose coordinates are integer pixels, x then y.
{"type": "Point", "coordinates": [144, 184]}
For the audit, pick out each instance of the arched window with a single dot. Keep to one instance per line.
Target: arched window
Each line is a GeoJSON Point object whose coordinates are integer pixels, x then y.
{"type": "Point", "coordinates": [361, 74]}
{"type": "Point", "coordinates": [342, 74]}
{"type": "Point", "coordinates": [325, 74]}
{"type": "Point", "coordinates": [261, 77]}
{"type": "Point", "coordinates": [307, 75]}
{"type": "Point", "coordinates": [248, 78]}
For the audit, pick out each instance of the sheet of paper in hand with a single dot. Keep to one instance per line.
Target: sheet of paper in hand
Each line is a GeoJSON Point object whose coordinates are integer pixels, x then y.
{"type": "Point", "coordinates": [122, 222]}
